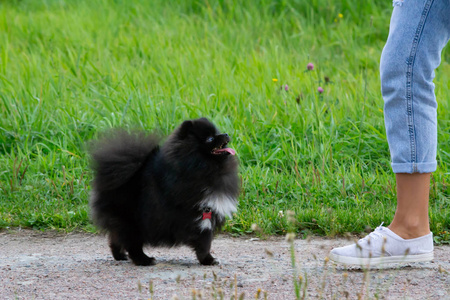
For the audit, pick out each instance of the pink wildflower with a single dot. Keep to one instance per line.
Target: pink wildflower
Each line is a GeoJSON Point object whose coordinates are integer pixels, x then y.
{"type": "Point", "coordinates": [310, 66]}
{"type": "Point", "coordinates": [320, 90]}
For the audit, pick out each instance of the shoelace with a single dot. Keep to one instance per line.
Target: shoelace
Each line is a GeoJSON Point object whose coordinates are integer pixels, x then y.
{"type": "Point", "coordinates": [374, 234]}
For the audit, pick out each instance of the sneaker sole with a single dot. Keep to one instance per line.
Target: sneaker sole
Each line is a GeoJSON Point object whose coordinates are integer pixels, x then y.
{"type": "Point", "coordinates": [377, 261]}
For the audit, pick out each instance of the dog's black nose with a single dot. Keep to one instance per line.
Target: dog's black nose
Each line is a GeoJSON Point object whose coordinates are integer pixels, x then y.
{"type": "Point", "coordinates": [225, 136]}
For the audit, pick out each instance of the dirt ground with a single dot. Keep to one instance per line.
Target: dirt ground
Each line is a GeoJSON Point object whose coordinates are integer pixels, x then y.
{"type": "Point", "coordinates": [37, 265]}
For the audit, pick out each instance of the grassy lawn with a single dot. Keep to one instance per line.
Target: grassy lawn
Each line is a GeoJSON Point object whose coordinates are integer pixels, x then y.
{"type": "Point", "coordinates": [69, 70]}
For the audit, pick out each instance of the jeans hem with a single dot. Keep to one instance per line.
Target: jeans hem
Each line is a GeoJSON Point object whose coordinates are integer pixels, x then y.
{"type": "Point", "coordinates": [414, 167]}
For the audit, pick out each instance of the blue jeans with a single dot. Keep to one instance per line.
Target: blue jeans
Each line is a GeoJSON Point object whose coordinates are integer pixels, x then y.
{"type": "Point", "coordinates": [418, 32]}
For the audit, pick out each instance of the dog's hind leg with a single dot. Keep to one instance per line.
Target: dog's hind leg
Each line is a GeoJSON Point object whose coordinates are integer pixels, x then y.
{"type": "Point", "coordinates": [134, 245]}
{"type": "Point", "coordinates": [122, 241]}
{"type": "Point", "coordinates": [202, 248]}
{"type": "Point", "coordinates": [138, 256]}
{"type": "Point", "coordinates": [117, 249]}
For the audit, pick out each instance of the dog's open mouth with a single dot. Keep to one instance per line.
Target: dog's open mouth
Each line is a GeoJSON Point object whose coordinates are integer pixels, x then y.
{"type": "Point", "coordinates": [223, 150]}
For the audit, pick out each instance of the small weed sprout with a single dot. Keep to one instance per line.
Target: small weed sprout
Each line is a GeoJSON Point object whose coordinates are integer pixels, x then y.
{"type": "Point", "coordinates": [150, 288]}
{"type": "Point", "coordinates": [290, 238]}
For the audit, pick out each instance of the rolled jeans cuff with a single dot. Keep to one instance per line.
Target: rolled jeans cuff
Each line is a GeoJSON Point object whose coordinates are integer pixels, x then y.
{"type": "Point", "coordinates": [414, 167]}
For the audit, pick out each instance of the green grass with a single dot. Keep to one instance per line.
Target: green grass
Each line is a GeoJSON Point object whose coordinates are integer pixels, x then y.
{"type": "Point", "coordinates": [70, 70]}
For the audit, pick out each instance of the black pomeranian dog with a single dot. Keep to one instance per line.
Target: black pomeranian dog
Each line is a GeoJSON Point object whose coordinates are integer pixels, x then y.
{"type": "Point", "coordinates": [176, 194]}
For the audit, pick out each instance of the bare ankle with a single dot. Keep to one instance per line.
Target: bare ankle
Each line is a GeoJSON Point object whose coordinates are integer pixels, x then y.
{"type": "Point", "coordinates": [409, 231]}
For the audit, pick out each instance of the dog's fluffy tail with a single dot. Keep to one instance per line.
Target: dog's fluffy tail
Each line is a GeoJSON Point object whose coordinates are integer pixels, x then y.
{"type": "Point", "coordinates": [119, 155]}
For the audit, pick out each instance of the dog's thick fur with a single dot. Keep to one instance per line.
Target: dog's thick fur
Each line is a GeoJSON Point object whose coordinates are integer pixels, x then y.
{"type": "Point", "coordinates": [177, 194]}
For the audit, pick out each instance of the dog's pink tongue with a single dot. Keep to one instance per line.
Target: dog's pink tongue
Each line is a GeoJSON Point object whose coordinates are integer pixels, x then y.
{"type": "Point", "coordinates": [229, 150]}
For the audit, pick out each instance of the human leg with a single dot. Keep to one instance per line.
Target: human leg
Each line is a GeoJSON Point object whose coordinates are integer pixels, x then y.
{"type": "Point", "coordinates": [410, 106]}
{"type": "Point", "coordinates": [419, 31]}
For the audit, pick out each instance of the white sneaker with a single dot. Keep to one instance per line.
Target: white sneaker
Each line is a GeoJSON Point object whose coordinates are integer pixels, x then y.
{"type": "Point", "coordinates": [383, 246]}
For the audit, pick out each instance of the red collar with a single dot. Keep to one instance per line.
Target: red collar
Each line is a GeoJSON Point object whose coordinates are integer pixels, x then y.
{"type": "Point", "coordinates": [207, 213]}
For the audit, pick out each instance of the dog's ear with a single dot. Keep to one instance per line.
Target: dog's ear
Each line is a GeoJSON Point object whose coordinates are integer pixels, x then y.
{"type": "Point", "coordinates": [185, 127]}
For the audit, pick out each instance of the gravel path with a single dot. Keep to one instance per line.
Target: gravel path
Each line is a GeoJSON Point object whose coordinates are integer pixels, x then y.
{"type": "Point", "coordinates": [36, 265]}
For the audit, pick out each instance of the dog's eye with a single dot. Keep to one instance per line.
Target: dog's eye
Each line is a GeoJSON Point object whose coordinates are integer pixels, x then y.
{"type": "Point", "coordinates": [209, 139]}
